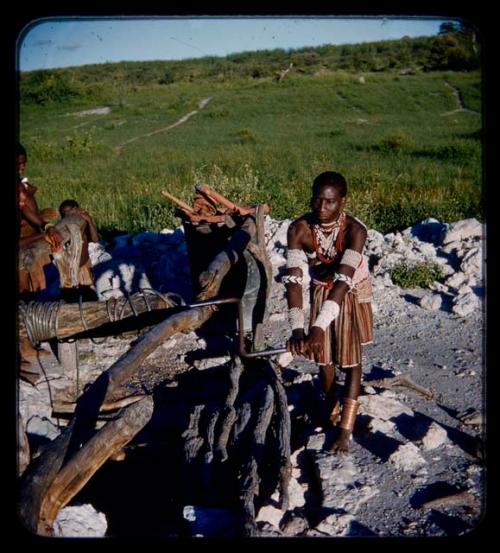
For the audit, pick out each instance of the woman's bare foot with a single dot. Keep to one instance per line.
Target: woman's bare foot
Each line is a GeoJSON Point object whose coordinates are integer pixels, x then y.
{"type": "Point", "coordinates": [341, 444]}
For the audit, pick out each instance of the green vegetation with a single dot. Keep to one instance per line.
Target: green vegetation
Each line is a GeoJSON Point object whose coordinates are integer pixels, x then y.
{"type": "Point", "coordinates": [411, 276]}
{"type": "Point", "coordinates": [406, 151]}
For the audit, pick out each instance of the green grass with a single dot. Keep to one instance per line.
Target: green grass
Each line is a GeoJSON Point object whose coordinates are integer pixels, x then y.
{"type": "Point", "coordinates": [257, 141]}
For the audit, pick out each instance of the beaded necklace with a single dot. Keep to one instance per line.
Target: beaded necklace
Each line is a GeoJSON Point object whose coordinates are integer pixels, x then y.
{"type": "Point", "coordinates": [327, 239]}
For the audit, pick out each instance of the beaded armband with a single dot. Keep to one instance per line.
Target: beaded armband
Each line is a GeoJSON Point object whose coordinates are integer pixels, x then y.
{"type": "Point", "coordinates": [292, 279]}
{"type": "Point", "coordinates": [351, 258]}
{"type": "Point", "coordinates": [343, 278]}
{"type": "Point", "coordinates": [329, 312]}
{"type": "Point", "coordinates": [296, 317]}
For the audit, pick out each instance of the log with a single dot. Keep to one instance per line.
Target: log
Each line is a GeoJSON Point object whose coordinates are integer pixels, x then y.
{"type": "Point", "coordinates": [23, 446]}
{"type": "Point", "coordinates": [463, 497]}
{"type": "Point", "coordinates": [68, 407]}
{"type": "Point", "coordinates": [70, 319]}
{"type": "Point", "coordinates": [250, 470]}
{"type": "Point", "coordinates": [211, 279]}
{"type": "Point", "coordinates": [37, 478]}
{"type": "Point", "coordinates": [403, 381]}
{"type": "Point", "coordinates": [83, 465]}
{"type": "Point", "coordinates": [283, 433]}
{"type": "Point", "coordinates": [228, 415]}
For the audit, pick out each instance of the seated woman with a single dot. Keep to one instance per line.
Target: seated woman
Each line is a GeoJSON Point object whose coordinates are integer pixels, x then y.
{"type": "Point", "coordinates": [32, 226]}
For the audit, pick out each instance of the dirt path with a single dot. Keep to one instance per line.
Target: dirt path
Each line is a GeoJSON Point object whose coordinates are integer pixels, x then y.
{"type": "Point", "coordinates": [180, 121]}
{"type": "Point", "coordinates": [460, 101]}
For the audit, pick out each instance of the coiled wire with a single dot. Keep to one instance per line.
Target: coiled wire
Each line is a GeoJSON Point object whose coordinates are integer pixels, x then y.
{"type": "Point", "coordinates": [41, 318]}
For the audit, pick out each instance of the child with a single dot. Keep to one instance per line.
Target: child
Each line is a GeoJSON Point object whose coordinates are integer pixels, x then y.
{"type": "Point", "coordinates": [86, 285]}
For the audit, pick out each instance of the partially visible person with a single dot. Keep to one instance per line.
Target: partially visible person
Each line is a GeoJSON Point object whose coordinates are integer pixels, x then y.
{"type": "Point", "coordinates": [86, 282]}
{"type": "Point", "coordinates": [32, 227]}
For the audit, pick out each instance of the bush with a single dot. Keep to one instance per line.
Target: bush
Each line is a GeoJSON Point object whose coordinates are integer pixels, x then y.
{"type": "Point", "coordinates": [459, 152]}
{"type": "Point", "coordinates": [245, 136]}
{"type": "Point", "coordinates": [411, 276]}
{"type": "Point", "coordinates": [167, 78]}
{"type": "Point", "coordinates": [43, 87]}
{"type": "Point", "coordinates": [398, 141]}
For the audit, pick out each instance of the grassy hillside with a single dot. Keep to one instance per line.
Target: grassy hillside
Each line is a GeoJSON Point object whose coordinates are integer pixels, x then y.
{"type": "Point", "coordinates": [406, 152]}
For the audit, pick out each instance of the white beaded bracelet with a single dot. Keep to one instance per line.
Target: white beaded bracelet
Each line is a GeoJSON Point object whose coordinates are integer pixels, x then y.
{"type": "Point", "coordinates": [292, 279]}
{"type": "Point", "coordinates": [296, 317]}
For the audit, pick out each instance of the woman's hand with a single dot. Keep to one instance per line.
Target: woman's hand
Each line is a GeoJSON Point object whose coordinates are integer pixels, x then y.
{"type": "Point", "coordinates": [84, 214]}
{"type": "Point", "coordinates": [295, 344]}
{"type": "Point", "coordinates": [54, 238]}
{"type": "Point", "coordinates": [315, 341]}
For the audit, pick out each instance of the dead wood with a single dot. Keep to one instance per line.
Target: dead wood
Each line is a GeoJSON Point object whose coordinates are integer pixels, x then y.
{"type": "Point", "coordinates": [460, 498]}
{"type": "Point", "coordinates": [37, 478]}
{"type": "Point", "coordinates": [23, 446]}
{"type": "Point", "coordinates": [83, 465]}
{"type": "Point", "coordinates": [403, 381]}
{"type": "Point", "coordinates": [68, 407]}
{"type": "Point", "coordinates": [228, 413]}
{"type": "Point", "coordinates": [283, 433]}
{"type": "Point", "coordinates": [69, 319]}
{"type": "Point", "coordinates": [250, 471]}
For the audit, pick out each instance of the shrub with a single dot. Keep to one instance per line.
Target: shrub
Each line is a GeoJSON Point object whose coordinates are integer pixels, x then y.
{"type": "Point", "coordinates": [411, 276]}
{"type": "Point", "coordinates": [167, 78]}
{"type": "Point", "coordinates": [397, 141]}
{"type": "Point", "coordinates": [460, 152]}
{"type": "Point", "coordinates": [43, 87]}
{"type": "Point", "coordinates": [245, 136]}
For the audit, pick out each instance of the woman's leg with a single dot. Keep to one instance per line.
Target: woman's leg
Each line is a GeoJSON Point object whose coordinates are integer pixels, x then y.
{"type": "Point", "coordinates": [349, 410]}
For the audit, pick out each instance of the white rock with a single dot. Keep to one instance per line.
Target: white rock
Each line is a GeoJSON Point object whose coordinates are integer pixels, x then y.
{"type": "Point", "coordinates": [202, 364]}
{"type": "Point", "coordinates": [387, 280]}
{"type": "Point", "coordinates": [277, 260]}
{"type": "Point", "coordinates": [464, 289]}
{"type": "Point", "coordinates": [42, 426]}
{"type": "Point", "coordinates": [463, 229]}
{"type": "Point", "coordinates": [456, 280]}
{"type": "Point", "coordinates": [435, 436]}
{"type": "Point", "coordinates": [97, 253]}
{"type": "Point", "coordinates": [466, 304]}
{"type": "Point", "coordinates": [296, 493]}
{"type": "Point", "coordinates": [269, 513]}
{"type": "Point", "coordinates": [407, 457]}
{"type": "Point", "coordinates": [472, 262]}
{"type": "Point", "coordinates": [285, 359]}
{"type": "Point", "coordinates": [439, 287]}
{"type": "Point", "coordinates": [431, 302]}
{"type": "Point", "coordinates": [383, 426]}
{"type": "Point", "coordinates": [375, 237]}
{"type": "Point", "coordinates": [315, 441]}
{"type": "Point", "coordinates": [381, 407]}
{"type": "Point", "coordinates": [336, 524]}
{"type": "Point", "coordinates": [81, 521]}
{"type": "Point", "coordinates": [169, 344]}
